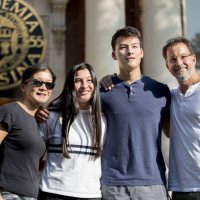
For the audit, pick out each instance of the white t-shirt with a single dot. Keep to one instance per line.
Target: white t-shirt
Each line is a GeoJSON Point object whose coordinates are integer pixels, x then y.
{"type": "Point", "coordinates": [184, 160]}
{"type": "Point", "coordinates": [80, 175]}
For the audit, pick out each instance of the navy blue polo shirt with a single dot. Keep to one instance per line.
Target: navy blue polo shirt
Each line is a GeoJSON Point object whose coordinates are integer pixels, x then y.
{"type": "Point", "coordinates": [132, 150]}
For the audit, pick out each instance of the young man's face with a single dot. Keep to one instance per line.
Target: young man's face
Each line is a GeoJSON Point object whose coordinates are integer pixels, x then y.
{"type": "Point", "coordinates": [128, 53]}
{"type": "Point", "coordinates": [180, 61]}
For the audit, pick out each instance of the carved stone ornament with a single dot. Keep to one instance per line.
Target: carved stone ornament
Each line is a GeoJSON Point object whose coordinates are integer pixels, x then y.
{"type": "Point", "coordinates": [59, 23]}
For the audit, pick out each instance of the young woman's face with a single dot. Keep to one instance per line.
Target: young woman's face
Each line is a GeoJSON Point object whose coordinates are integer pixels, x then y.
{"type": "Point", "coordinates": [38, 89]}
{"type": "Point", "coordinates": [84, 87]}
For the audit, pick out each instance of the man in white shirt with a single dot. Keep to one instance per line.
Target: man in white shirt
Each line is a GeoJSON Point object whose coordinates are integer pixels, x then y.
{"type": "Point", "coordinates": [184, 161]}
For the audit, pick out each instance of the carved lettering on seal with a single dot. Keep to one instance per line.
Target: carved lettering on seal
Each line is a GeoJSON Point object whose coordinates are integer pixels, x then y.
{"type": "Point", "coordinates": [22, 41]}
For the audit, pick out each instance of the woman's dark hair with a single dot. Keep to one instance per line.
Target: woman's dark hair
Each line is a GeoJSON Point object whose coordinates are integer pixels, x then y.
{"type": "Point", "coordinates": [67, 104]}
{"type": "Point", "coordinates": [30, 71]}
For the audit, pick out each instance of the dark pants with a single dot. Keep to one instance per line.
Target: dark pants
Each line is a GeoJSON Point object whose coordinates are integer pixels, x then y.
{"type": "Point", "coordinates": [51, 196]}
{"type": "Point", "coordinates": [186, 196]}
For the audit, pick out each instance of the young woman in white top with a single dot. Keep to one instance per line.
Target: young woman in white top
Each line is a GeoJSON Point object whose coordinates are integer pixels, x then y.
{"type": "Point", "coordinates": [74, 134]}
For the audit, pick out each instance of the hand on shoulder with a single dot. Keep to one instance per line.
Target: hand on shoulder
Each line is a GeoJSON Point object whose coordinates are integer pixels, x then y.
{"type": "Point", "coordinates": [106, 82]}
{"type": "Point", "coordinates": [42, 114]}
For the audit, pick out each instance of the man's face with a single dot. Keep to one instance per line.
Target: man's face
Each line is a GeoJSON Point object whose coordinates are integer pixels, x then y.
{"type": "Point", "coordinates": [128, 52]}
{"type": "Point", "coordinates": [180, 61]}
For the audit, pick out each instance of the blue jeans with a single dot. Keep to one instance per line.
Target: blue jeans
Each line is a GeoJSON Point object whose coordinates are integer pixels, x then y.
{"type": "Point", "coordinates": [12, 196]}
{"type": "Point", "coordinates": [151, 192]}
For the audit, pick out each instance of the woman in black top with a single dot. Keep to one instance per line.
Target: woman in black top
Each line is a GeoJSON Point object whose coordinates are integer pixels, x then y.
{"type": "Point", "coordinates": [21, 146]}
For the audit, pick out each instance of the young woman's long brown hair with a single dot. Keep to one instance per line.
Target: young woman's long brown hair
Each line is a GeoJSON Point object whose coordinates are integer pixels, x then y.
{"type": "Point", "coordinates": [67, 104]}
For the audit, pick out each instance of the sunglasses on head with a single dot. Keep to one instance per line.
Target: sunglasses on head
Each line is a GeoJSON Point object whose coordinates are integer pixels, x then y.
{"type": "Point", "coordinates": [38, 83]}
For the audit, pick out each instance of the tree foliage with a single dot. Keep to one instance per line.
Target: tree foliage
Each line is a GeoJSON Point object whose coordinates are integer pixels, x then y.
{"type": "Point", "coordinates": [196, 43]}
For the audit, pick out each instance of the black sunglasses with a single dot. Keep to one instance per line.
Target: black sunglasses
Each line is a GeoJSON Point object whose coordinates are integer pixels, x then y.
{"type": "Point", "coordinates": [38, 83]}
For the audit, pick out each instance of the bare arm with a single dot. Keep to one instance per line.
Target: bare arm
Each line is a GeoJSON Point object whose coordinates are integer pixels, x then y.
{"type": "Point", "coordinates": [41, 163]}
{"type": "Point", "coordinates": [42, 114]}
{"type": "Point", "coordinates": [3, 132]}
{"type": "Point", "coordinates": [106, 82]}
{"type": "Point", "coordinates": [166, 127]}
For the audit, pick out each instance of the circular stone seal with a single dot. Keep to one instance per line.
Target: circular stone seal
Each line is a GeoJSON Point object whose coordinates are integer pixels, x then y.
{"type": "Point", "coordinates": [22, 41]}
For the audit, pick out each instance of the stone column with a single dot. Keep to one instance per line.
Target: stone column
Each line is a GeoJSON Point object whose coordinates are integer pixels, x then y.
{"type": "Point", "coordinates": [161, 21]}
{"type": "Point", "coordinates": [103, 18]}
{"type": "Point", "coordinates": [57, 41]}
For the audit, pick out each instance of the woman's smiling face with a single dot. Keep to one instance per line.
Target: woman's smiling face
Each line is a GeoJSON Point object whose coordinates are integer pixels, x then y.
{"type": "Point", "coordinates": [84, 87]}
